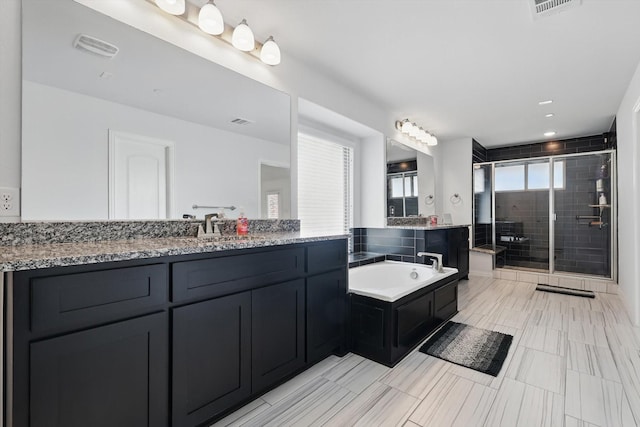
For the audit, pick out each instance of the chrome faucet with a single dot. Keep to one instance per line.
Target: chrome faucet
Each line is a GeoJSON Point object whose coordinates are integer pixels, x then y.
{"type": "Point", "coordinates": [209, 229]}
{"type": "Point", "coordinates": [437, 262]}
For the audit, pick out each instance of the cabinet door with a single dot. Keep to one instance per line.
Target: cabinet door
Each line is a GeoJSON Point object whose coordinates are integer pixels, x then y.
{"type": "Point", "coordinates": [114, 375]}
{"type": "Point", "coordinates": [277, 332]}
{"type": "Point", "coordinates": [211, 367]}
{"type": "Point", "coordinates": [326, 310]}
{"type": "Point", "coordinates": [445, 301]}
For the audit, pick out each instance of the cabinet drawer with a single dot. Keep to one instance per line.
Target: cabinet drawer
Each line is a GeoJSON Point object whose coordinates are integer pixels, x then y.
{"type": "Point", "coordinates": [326, 256]}
{"type": "Point", "coordinates": [85, 299]}
{"type": "Point", "coordinates": [224, 275]}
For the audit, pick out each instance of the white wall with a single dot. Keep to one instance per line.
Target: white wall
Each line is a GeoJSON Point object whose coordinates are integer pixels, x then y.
{"type": "Point", "coordinates": [628, 129]}
{"type": "Point", "coordinates": [426, 184]}
{"type": "Point", "coordinates": [212, 167]}
{"type": "Point", "coordinates": [454, 176]}
{"type": "Point", "coordinates": [10, 82]}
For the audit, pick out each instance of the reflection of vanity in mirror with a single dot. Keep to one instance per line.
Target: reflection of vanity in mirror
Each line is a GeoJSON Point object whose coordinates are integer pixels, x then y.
{"type": "Point", "coordinates": [410, 182]}
{"type": "Point", "coordinates": [145, 134]}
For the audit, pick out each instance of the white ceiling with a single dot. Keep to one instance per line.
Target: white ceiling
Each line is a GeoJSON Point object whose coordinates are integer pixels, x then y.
{"type": "Point", "coordinates": [465, 68]}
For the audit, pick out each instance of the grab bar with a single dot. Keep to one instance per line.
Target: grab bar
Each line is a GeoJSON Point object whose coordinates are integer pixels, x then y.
{"type": "Point", "coordinates": [231, 208]}
{"type": "Point", "coordinates": [578, 217]}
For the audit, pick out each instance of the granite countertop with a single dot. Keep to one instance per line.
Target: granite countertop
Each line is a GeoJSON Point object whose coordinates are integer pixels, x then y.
{"type": "Point", "coordinates": [35, 256]}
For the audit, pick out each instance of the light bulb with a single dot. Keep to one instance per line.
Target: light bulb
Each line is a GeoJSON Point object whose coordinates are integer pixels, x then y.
{"type": "Point", "coordinates": [406, 126]}
{"type": "Point", "coordinates": [174, 7]}
{"type": "Point", "coordinates": [210, 19]}
{"type": "Point", "coordinates": [242, 37]}
{"type": "Point", "coordinates": [270, 52]}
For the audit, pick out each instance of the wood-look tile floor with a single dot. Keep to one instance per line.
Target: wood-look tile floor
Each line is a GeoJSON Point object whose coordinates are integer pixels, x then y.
{"type": "Point", "coordinates": [573, 362]}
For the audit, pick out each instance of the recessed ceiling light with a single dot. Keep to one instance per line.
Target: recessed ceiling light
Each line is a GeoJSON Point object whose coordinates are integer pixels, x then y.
{"type": "Point", "coordinates": [551, 133]}
{"type": "Point", "coordinates": [549, 115]}
{"type": "Point", "coordinates": [548, 101]}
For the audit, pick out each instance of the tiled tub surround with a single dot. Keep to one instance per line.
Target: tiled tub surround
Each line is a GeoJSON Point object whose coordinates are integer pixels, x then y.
{"type": "Point", "coordinates": [397, 243]}
{"type": "Point", "coordinates": [24, 233]}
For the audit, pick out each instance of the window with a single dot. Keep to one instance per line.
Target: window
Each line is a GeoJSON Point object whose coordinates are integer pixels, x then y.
{"type": "Point", "coordinates": [325, 180]}
{"type": "Point", "coordinates": [478, 180]}
{"type": "Point", "coordinates": [530, 176]}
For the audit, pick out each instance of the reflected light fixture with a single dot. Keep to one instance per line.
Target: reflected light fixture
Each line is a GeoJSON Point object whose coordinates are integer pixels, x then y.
{"type": "Point", "coordinates": [416, 132]}
{"type": "Point", "coordinates": [550, 133]}
{"type": "Point", "coordinates": [210, 19]}
{"type": "Point", "coordinates": [242, 37]}
{"type": "Point", "coordinates": [174, 7]}
{"type": "Point", "coordinates": [270, 52]}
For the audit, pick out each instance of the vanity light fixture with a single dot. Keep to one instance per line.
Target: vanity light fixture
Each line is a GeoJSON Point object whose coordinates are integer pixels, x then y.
{"type": "Point", "coordinates": [174, 7]}
{"type": "Point", "coordinates": [416, 132]}
{"type": "Point", "coordinates": [210, 19]}
{"type": "Point", "coordinates": [243, 38]}
{"type": "Point", "coordinates": [270, 52]}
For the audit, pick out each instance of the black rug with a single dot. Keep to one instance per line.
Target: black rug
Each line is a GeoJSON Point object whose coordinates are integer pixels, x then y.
{"type": "Point", "coordinates": [565, 291]}
{"type": "Point", "coordinates": [468, 346]}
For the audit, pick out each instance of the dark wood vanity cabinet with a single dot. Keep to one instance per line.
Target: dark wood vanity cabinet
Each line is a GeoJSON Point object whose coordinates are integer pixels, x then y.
{"type": "Point", "coordinates": [453, 244]}
{"type": "Point", "coordinates": [174, 341]}
{"type": "Point", "coordinates": [90, 346]}
{"type": "Point", "coordinates": [211, 364]}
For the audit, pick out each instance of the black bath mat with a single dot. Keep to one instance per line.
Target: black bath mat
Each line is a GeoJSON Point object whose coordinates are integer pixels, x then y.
{"type": "Point", "coordinates": [468, 346]}
{"type": "Point", "coordinates": [565, 291]}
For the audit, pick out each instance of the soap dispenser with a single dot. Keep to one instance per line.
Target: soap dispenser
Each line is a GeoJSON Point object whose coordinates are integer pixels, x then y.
{"type": "Point", "coordinates": [242, 225]}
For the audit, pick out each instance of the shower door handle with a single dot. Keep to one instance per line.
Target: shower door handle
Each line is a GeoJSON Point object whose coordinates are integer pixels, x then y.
{"type": "Point", "coordinates": [554, 217]}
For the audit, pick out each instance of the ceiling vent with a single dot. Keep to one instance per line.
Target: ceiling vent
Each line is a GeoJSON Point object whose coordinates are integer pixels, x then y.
{"type": "Point", "coordinates": [240, 121]}
{"type": "Point", "coordinates": [542, 8]}
{"type": "Point", "coordinates": [95, 46]}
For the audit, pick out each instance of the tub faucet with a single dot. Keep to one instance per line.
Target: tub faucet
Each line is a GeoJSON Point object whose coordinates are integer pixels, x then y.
{"type": "Point", "coordinates": [437, 262]}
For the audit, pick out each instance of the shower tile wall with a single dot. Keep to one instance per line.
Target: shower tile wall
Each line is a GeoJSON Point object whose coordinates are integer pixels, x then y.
{"type": "Point", "coordinates": [581, 247]}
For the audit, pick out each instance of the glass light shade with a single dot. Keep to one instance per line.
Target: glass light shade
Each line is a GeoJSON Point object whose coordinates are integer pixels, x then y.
{"type": "Point", "coordinates": [242, 37]}
{"type": "Point", "coordinates": [406, 126]}
{"type": "Point", "coordinates": [270, 52]}
{"type": "Point", "coordinates": [424, 136]}
{"type": "Point", "coordinates": [210, 19]}
{"type": "Point", "coordinates": [174, 7]}
{"type": "Point", "coordinates": [415, 130]}
{"type": "Point", "coordinates": [432, 141]}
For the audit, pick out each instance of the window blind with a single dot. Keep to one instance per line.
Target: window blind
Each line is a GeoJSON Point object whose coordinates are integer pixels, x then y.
{"type": "Point", "coordinates": [325, 175]}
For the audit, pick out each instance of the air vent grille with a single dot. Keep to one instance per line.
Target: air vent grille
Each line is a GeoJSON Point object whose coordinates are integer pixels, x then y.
{"type": "Point", "coordinates": [240, 121]}
{"type": "Point", "coordinates": [541, 8]}
{"type": "Point", "coordinates": [95, 46]}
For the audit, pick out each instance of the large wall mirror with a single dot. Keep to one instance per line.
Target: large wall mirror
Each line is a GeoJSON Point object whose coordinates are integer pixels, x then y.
{"type": "Point", "coordinates": [145, 134]}
{"type": "Point", "coordinates": [410, 181]}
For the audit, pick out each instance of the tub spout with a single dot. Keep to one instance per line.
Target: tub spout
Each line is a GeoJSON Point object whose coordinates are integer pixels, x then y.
{"type": "Point", "coordinates": [437, 262]}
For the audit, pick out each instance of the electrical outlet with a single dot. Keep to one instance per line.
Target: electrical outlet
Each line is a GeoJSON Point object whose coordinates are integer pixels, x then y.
{"type": "Point", "coordinates": [9, 202]}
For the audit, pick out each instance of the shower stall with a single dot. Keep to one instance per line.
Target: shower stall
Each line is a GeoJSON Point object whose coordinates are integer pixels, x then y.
{"type": "Point", "coordinates": [554, 214]}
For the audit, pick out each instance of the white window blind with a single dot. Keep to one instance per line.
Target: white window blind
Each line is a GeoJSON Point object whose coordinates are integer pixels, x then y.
{"type": "Point", "coordinates": [325, 176]}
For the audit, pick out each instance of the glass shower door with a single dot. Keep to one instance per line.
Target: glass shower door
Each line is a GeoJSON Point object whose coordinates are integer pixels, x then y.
{"type": "Point", "coordinates": [522, 212]}
{"type": "Point", "coordinates": [582, 199]}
